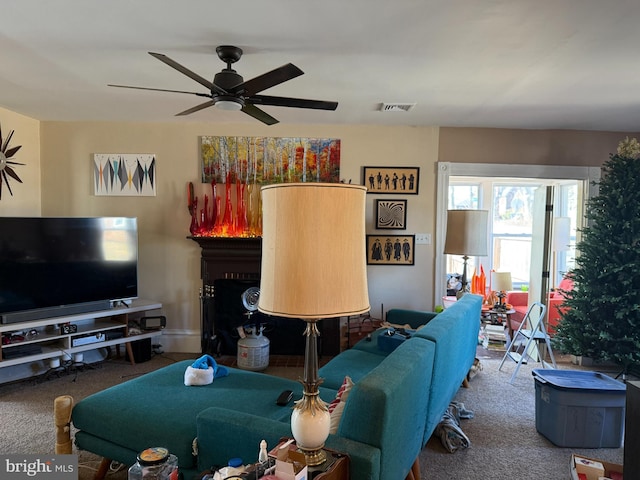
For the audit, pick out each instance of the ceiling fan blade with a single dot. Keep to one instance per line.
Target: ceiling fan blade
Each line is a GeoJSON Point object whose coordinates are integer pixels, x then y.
{"type": "Point", "coordinates": [192, 75]}
{"type": "Point", "coordinates": [161, 90]}
{"type": "Point", "coordinates": [258, 114]}
{"type": "Point", "coordinates": [292, 102]}
{"type": "Point", "coordinates": [269, 79]}
{"type": "Point", "coordinates": [197, 108]}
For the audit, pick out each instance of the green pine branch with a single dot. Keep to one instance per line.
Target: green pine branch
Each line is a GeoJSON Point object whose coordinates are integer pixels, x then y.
{"type": "Point", "coordinates": [603, 316]}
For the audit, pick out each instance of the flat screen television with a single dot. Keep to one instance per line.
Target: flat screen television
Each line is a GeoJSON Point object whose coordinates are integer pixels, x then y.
{"type": "Point", "coordinates": [53, 266]}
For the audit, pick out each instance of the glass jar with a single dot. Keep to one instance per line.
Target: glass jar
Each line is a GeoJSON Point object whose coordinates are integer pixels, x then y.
{"type": "Point", "coordinates": [154, 464]}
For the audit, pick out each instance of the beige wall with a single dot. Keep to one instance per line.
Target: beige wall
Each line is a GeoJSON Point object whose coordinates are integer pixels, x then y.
{"type": "Point", "coordinates": [528, 147]}
{"type": "Point", "coordinates": [169, 263]}
{"type": "Point", "coordinates": [25, 200]}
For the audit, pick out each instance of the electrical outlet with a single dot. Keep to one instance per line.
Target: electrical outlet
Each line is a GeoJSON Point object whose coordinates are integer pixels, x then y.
{"type": "Point", "coordinates": [423, 239]}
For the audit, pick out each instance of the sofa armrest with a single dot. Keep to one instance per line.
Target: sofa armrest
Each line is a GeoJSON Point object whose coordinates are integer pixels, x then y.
{"type": "Point", "coordinates": [364, 460]}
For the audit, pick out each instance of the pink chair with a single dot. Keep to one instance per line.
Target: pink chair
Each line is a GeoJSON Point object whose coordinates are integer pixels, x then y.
{"type": "Point", "coordinates": [520, 301]}
{"type": "Point", "coordinates": [556, 301]}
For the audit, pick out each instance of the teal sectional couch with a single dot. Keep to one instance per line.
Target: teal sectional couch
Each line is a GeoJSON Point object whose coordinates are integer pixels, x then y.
{"type": "Point", "coordinates": [398, 398]}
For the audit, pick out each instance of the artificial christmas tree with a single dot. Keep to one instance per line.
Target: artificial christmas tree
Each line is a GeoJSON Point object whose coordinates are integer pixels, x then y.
{"type": "Point", "coordinates": [602, 320]}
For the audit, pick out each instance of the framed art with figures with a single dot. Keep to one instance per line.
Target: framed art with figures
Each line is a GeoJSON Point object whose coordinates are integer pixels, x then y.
{"type": "Point", "coordinates": [390, 249]}
{"type": "Point", "coordinates": [391, 180]}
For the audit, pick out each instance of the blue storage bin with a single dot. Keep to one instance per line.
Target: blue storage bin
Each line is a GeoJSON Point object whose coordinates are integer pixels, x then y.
{"type": "Point", "coordinates": [579, 409]}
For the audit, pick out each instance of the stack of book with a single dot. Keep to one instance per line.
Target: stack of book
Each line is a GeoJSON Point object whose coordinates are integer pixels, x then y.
{"type": "Point", "coordinates": [494, 337]}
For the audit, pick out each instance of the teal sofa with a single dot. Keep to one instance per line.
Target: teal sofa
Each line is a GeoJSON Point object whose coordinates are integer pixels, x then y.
{"type": "Point", "coordinates": [398, 398]}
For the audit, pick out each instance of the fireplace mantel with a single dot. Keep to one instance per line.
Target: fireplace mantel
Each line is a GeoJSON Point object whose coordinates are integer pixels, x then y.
{"type": "Point", "coordinates": [229, 257]}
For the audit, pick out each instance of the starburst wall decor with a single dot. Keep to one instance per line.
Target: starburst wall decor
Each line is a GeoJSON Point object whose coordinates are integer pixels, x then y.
{"type": "Point", "coordinates": [6, 165]}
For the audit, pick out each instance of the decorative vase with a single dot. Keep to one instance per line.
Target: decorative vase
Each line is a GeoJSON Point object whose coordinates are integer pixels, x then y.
{"type": "Point", "coordinates": [194, 227]}
{"type": "Point", "coordinates": [254, 210]}
{"type": "Point", "coordinates": [205, 226]}
{"type": "Point", "coordinates": [242, 225]}
{"type": "Point", "coordinates": [227, 229]}
{"type": "Point", "coordinates": [215, 204]}
{"type": "Point", "coordinates": [202, 229]}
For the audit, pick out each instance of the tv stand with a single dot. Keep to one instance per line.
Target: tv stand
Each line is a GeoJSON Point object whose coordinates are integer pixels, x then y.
{"type": "Point", "coordinates": [34, 344]}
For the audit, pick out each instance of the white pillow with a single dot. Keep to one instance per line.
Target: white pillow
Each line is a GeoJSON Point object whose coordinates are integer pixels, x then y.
{"type": "Point", "coordinates": [336, 407]}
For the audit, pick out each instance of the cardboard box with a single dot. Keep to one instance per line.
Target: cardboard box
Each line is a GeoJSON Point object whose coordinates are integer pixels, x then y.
{"type": "Point", "coordinates": [290, 464]}
{"type": "Point", "coordinates": [611, 470]}
{"type": "Point", "coordinates": [592, 469]}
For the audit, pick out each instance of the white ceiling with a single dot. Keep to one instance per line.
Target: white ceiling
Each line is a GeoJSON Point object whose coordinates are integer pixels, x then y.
{"type": "Point", "coordinates": [558, 64]}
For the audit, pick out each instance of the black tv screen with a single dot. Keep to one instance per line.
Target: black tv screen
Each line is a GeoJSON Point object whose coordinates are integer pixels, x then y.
{"type": "Point", "coordinates": [49, 263]}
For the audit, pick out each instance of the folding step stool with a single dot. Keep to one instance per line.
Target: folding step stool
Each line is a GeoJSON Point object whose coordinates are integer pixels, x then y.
{"type": "Point", "coordinates": [518, 348]}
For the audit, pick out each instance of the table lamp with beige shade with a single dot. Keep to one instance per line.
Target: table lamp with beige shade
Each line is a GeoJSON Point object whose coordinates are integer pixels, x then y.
{"type": "Point", "coordinates": [501, 283]}
{"type": "Point", "coordinates": [313, 267]}
{"type": "Point", "coordinates": [466, 236]}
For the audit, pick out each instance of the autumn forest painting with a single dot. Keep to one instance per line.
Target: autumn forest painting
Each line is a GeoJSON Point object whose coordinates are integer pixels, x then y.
{"type": "Point", "coordinates": [266, 160]}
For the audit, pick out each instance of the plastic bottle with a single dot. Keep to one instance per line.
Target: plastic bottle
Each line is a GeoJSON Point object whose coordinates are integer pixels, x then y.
{"type": "Point", "coordinates": [234, 467]}
{"type": "Point", "coordinates": [154, 464]}
{"type": "Point", "coordinates": [263, 455]}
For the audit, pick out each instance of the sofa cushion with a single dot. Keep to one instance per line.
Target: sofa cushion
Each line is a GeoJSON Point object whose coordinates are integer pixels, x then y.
{"type": "Point", "coordinates": [355, 363]}
{"type": "Point", "coordinates": [224, 433]}
{"type": "Point", "coordinates": [370, 343]}
{"type": "Point", "coordinates": [414, 319]}
{"type": "Point", "coordinates": [114, 413]}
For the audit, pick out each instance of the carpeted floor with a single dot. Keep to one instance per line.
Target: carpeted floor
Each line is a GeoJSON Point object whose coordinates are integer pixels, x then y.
{"type": "Point", "coordinates": [504, 441]}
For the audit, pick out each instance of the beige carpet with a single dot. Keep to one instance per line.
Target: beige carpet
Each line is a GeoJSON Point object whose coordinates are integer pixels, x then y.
{"type": "Point", "coordinates": [504, 441]}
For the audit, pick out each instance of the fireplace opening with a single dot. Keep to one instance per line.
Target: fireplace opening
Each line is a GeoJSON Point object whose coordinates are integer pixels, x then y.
{"type": "Point", "coordinates": [224, 303]}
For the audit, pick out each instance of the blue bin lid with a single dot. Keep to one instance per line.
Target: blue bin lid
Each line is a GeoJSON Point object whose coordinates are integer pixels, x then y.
{"type": "Point", "coordinates": [578, 379]}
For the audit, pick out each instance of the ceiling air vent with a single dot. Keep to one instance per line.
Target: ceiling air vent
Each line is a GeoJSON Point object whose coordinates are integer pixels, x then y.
{"type": "Point", "coordinates": [397, 107]}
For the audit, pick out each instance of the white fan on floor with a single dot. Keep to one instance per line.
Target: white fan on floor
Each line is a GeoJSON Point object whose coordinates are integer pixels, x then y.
{"type": "Point", "coordinates": [250, 299]}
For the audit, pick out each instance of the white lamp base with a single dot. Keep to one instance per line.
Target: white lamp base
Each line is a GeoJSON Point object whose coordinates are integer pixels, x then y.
{"type": "Point", "coordinates": [310, 423]}
{"type": "Point", "coordinates": [310, 419]}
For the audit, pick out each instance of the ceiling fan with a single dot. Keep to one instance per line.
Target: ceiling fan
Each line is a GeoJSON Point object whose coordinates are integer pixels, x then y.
{"type": "Point", "coordinates": [229, 91]}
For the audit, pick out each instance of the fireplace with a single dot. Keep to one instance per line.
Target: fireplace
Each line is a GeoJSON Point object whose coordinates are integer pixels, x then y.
{"type": "Point", "coordinates": [229, 266]}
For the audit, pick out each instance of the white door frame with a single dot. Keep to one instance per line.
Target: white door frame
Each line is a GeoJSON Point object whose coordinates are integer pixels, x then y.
{"type": "Point", "coordinates": [586, 175]}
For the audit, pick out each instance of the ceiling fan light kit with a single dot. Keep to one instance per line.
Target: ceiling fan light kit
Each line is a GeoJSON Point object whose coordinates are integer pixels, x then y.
{"type": "Point", "coordinates": [230, 104]}
{"type": "Point", "coordinates": [229, 91]}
